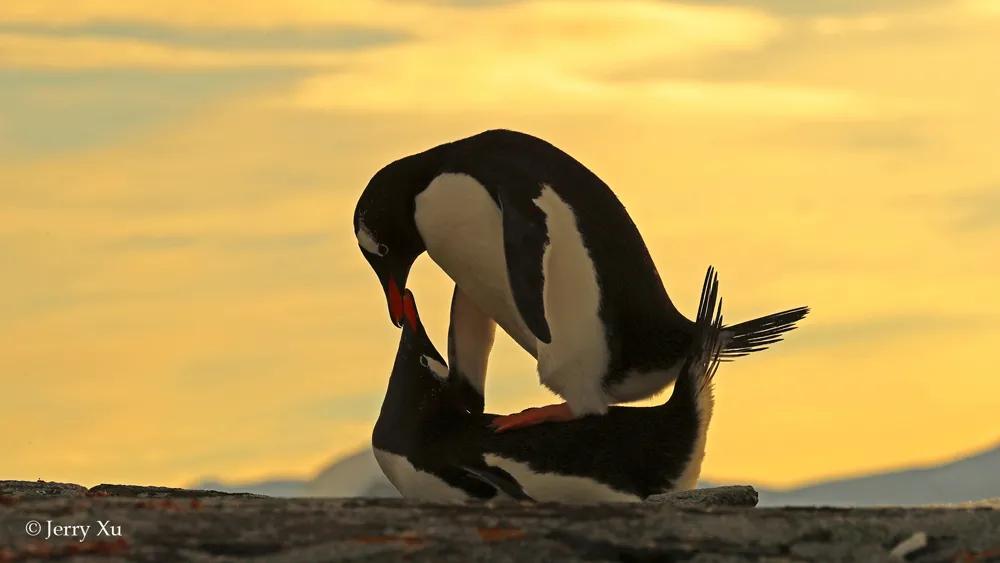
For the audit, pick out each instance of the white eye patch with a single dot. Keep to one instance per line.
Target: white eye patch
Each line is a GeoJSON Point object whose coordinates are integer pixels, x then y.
{"type": "Point", "coordinates": [436, 367]}
{"type": "Point", "coordinates": [368, 242]}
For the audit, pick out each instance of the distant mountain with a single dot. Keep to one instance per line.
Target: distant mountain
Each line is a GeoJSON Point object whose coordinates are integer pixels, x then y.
{"type": "Point", "coordinates": [271, 488]}
{"type": "Point", "coordinates": [971, 478]}
{"type": "Point", "coordinates": [357, 475]}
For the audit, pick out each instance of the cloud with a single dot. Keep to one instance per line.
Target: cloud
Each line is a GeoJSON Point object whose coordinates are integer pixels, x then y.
{"type": "Point", "coordinates": [961, 212]}
{"type": "Point", "coordinates": [986, 7]}
{"type": "Point", "coordinates": [979, 210]}
{"type": "Point", "coordinates": [315, 38]}
{"type": "Point", "coordinates": [820, 7]}
{"type": "Point", "coordinates": [894, 134]}
{"type": "Point", "coordinates": [560, 62]}
{"type": "Point", "coordinates": [815, 50]}
{"type": "Point", "coordinates": [228, 243]}
{"type": "Point", "coordinates": [255, 13]}
{"type": "Point", "coordinates": [969, 217]}
{"type": "Point", "coordinates": [468, 3]}
{"type": "Point", "coordinates": [571, 95]}
{"type": "Point", "coordinates": [47, 111]}
{"type": "Point", "coordinates": [147, 243]}
{"type": "Point", "coordinates": [112, 35]}
{"type": "Point", "coordinates": [24, 50]}
{"type": "Point", "coordinates": [260, 14]}
{"type": "Point", "coordinates": [873, 330]}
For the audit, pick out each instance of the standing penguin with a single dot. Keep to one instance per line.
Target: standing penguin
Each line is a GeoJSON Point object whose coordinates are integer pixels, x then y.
{"type": "Point", "coordinates": [538, 244]}
{"type": "Point", "coordinates": [431, 448]}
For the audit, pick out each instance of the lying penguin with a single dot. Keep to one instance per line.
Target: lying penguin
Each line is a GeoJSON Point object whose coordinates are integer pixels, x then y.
{"type": "Point", "coordinates": [432, 449]}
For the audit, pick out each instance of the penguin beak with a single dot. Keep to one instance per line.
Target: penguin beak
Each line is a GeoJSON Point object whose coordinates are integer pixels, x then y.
{"type": "Point", "coordinates": [393, 280]}
{"type": "Point", "coordinates": [410, 312]}
{"type": "Point", "coordinates": [394, 298]}
{"type": "Point", "coordinates": [413, 329]}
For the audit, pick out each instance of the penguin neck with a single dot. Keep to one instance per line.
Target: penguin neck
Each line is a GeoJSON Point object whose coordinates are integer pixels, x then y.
{"type": "Point", "coordinates": [414, 173]}
{"type": "Point", "coordinates": [400, 182]}
{"type": "Point", "coordinates": [413, 401]}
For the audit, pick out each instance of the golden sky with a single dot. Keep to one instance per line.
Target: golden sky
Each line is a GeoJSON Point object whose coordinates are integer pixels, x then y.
{"type": "Point", "coordinates": [182, 294]}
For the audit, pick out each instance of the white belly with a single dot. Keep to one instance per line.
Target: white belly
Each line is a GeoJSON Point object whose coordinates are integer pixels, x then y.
{"type": "Point", "coordinates": [413, 483]}
{"type": "Point", "coordinates": [461, 227]}
{"type": "Point", "coordinates": [574, 363]}
{"type": "Point", "coordinates": [551, 487]}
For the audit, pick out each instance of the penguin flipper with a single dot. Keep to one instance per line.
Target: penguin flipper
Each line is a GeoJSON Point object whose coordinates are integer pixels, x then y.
{"type": "Point", "coordinates": [525, 238]}
{"type": "Point", "coordinates": [498, 479]}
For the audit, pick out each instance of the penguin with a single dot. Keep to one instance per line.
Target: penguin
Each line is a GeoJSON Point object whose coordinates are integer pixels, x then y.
{"type": "Point", "coordinates": [432, 448]}
{"type": "Point", "coordinates": [417, 438]}
{"type": "Point", "coordinates": [537, 243]}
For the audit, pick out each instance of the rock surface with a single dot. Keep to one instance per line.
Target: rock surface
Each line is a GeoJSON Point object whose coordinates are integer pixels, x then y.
{"type": "Point", "coordinates": [40, 489]}
{"type": "Point", "coordinates": [160, 524]}
{"type": "Point", "coordinates": [708, 498]}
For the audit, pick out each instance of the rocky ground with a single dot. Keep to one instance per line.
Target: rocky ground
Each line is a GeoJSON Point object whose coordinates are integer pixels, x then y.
{"type": "Point", "coordinates": [127, 523]}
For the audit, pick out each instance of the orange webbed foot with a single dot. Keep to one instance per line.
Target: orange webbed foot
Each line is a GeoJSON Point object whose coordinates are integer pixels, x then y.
{"type": "Point", "coordinates": [533, 416]}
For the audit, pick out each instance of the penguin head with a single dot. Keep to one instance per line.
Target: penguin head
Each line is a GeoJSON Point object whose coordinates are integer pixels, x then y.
{"type": "Point", "coordinates": [416, 400]}
{"type": "Point", "coordinates": [386, 230]}
{"type": "Point", "coordinates": [420, 369]}
{"type": "Point", "coordinates": [416, 350]}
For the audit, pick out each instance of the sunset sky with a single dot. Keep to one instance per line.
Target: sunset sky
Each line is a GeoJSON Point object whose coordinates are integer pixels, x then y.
{"type": "Point", "coordinates": [182, 295]}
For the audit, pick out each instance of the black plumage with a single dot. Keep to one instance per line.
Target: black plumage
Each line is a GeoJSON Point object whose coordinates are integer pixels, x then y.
{"type": "Point", "coordinates": [646, 336]}
{"type": "Point", "coordinates": [638, 451]}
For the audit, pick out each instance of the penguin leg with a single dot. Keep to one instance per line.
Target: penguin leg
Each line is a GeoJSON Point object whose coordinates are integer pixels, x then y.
{"type": "Point", "coordinates": [533, 416]}
{"type": "Point", "coordinates": [580, 387]}
{"type": "Point", "coordinates": [470, 340]}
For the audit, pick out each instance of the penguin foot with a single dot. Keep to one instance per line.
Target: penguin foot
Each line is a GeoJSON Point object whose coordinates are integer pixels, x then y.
{"type": "Point", "coordinates": [533, 416]}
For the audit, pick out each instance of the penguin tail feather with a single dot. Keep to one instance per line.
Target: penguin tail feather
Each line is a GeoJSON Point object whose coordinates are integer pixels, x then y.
{"type": "Point", "coordinates": [708, 350]}
{"type": "Point", "coordinates": [757, 334]}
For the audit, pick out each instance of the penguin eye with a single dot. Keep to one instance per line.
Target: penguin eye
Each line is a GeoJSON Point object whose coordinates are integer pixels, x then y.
{"type": "Point", "coordinates": [435, 367]}
{"type": "Point", "coordinates": [367, 242]}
